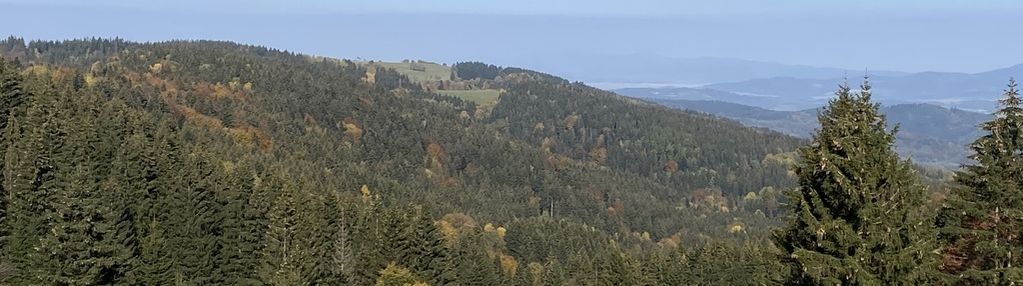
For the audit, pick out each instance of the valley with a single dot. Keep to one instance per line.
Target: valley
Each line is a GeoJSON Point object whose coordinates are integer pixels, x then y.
{"type": "Point", "coordinates": [520, 143]}
{"type": "Point", "coordinates": [929, 134]}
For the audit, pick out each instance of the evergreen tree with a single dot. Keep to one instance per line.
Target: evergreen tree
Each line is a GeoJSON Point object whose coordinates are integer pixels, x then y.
{"type": "Point", "coordinates": [855, 216]}
{"type": "Point", "coordinates": [422, 247]}
{"type": "Point", "coordinates": [155, 260]}
{"type": "Point", "coordinates": [243, 227]}
{"type": "Point", "coordinates": [982, 221]}
{"type": "Point", "coordinates": [11, 98]}
{"type": "Point", "coordinates": [282, 252]}
{"type": "Point", "coordinates": [194, 221]}
{"type": "Point", "coordinates": [30, 179]}
{"type": "Point", "coordinates": [77, 247]}
{"type": "Point", "coordinates": [133, 176]}
{"type": "Point", "coordinates": [341, 255]}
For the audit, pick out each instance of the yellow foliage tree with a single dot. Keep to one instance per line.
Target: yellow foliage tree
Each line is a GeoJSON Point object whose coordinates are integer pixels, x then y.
{"type": "Point", "coordinates": [736, 227]}
{"type": "Point", "coordinates": [599, 154]}
{"type": "Point", "coordinates": [395, 275]}
{"type": "Point", "coordinates": [352, 129]}
{"type": "Point", "coordinates": [571, 121]}
{"type": "Point", "coordinates": [448, 231]}
{"type": "Point", "coordinates": [536, 273]}
{"type": "Point", "coordinates": [509, 265]}
{"type": "Point", "coordinates": [501, 231]}
{"type": "Point", "coordinates": [365, 193]}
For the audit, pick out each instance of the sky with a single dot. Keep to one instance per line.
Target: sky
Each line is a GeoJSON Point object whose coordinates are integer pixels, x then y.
{"type": "Point", "coordinates": [907, 35]}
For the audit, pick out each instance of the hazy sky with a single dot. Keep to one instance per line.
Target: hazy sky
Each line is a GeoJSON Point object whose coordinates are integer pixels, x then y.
{"type": "Point", "coordinates": [907, 35]}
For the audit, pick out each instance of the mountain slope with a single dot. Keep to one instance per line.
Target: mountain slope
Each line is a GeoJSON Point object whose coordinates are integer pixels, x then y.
{"type": "Point", "coordinates": [220, 163]}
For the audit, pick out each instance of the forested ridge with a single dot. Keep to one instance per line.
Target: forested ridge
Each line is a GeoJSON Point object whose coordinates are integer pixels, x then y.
{"type": "Point", "coordinates": [202, 162]}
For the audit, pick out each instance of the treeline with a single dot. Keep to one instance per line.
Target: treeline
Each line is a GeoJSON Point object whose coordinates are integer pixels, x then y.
{"type": "Point", "coordinates": [474, 70]}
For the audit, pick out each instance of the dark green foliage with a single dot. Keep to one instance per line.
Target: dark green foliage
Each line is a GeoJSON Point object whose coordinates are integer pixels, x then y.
{"type": "Point", "coordinates": [856, 217]}
{"type": "Point", "coordinates": [982, 220]}
{"type": "Point", "coordinates": [474, 70]}
{"type": "Point", "coordinates": [206, 158]}
{"type": "Point", "coordinates": [216, 163]}
{"type": "Point", "coordinates": [11, 98]}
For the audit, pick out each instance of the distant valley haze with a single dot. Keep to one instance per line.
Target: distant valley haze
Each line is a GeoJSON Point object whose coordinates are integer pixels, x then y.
{"type": "Point", "coordinates": [906, 36]}
{"type": "Point", "coordinates": [792, 50]}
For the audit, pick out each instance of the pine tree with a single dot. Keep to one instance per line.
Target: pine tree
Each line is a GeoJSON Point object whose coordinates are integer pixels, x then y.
{"type": "Point", "coordinates": [152, 180]}
{"type": "Point", "coordinates": [341, 253]}
{"type": "Point", "coordinates": [243, 228]}
{"type": "Point", "coordinates": [281, 251]}
{"type": "Point", "coordinates": [155, 261]}
{"type": "Point", "coordinates": [69, 243]}
{"type": "Point", "coordinates": [982, 222]}
{"type": "Point", "coordinates": [855, 216]}
{"type": "Point", "coordinates": [314, 240]}
{"type": "Point", "coordinates": [132, 182]}
{"type": "Point", "coordinates": [373, 238]}
{"type": "Point", "coordinates": [11, 99]}
{"type": "Point", "coordinates": [76, 245]}
{"type": "Point", "coordinates": [422, 247]}
{"type": "Point", "coordinates": [194, 220]}
{"type": "Point", "coordinates": [30, 178]}
{"type": "Point", "coordinates": [11, 93]}
{"type": "Point", "coordinates": [470, 264]}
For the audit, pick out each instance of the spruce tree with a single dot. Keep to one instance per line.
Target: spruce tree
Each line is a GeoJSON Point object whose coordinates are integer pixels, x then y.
{"type": "Point", "coordinates": [982, 221]}
{"type": "Point", "coordinates": [30, 180]}
{"type": "Point", "coordinates": [11, 98]}
{"type": "Point", "coordinates": [194, 220]}
{"type": "Point", "coordinates": [855, 215]}
{"type": "Point", "coordinates": [77, 224]}
{"type": "Point", "coordinates": [243, 228]}
{"type": "Point", "coordinates": [341, 254]}
{"type": "Point", "coordinates": [282, 253]}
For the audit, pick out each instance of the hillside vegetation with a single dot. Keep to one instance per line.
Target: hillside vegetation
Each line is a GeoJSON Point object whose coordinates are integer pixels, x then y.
{"type": "Point", "coordinates": [216, 163]}
{"type": "Point", "coordinates": [209, 163]}
{"type": "Point", "coordinates": [929, 134]}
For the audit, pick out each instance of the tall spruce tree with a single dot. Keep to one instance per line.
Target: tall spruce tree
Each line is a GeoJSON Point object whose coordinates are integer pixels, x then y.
{"type": "Point", "coordinates": [11, 98]}
{"type": "Point", "coordinates": [29, 180]}
{"type": "Point", "coordinates": [855, 215]}
{"type": "Point", "coordinates": [283, 253]}
{"type": "Point", "coordinates": [243, 227]}
{"type": "Point", "coordinates": [982, 222]}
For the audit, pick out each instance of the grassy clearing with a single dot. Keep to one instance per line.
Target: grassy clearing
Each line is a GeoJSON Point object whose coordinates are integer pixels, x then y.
{"type": "Point", "coordinates": [479, 96]}
{"type": "Point", "coordinates": [432, 72]}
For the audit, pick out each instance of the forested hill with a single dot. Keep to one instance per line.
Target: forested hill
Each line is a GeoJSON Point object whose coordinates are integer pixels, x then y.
{"type": "Point", "coordinates": [203, 162]}
{"type": "Point", "coordinates": [929, 134]}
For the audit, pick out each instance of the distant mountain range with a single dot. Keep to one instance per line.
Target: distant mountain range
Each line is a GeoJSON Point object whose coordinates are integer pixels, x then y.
{"type": "Point", "coordinates": [974, 91]}
{"type": "Point", "coordinates": [770, 102]}
{"type": "Point", "coordinates": [929, 134]}
{"type": "Point", "coordinates": [614, 71]}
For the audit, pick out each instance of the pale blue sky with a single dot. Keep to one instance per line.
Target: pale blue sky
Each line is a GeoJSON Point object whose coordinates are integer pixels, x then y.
{"type": "Point", "coordinates": [548, 7]}
{"type": "Point", "coordinates": [909, 35]}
